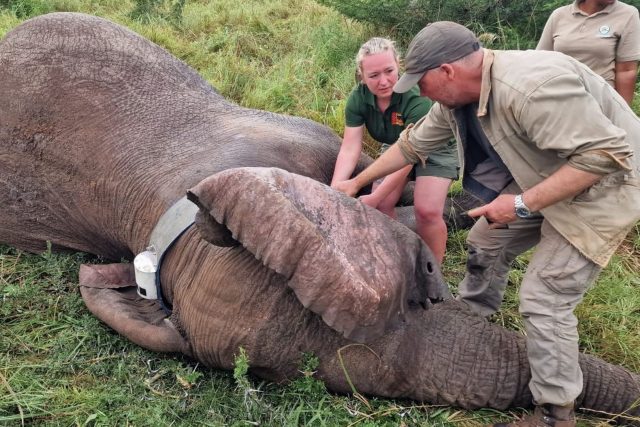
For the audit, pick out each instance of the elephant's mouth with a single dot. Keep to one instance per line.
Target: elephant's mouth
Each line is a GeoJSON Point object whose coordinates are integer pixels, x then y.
{"type": "Point", "coordinates": [354, 266]}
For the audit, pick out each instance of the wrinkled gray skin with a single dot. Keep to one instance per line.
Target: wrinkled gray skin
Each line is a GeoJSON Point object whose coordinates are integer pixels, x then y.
{"type": "Point", "coordinates": [102, 131]}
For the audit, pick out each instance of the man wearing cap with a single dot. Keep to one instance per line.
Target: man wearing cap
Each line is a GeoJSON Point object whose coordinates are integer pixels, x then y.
{"type": "Point", "coordinates": [548, 147]}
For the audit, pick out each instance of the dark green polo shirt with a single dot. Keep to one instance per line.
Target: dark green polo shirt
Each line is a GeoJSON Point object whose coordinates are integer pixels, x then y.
{"type": "Point", "coordinates": [405, 108]}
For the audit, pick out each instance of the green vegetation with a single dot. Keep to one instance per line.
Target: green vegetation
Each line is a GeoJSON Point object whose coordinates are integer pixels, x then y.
{"type": "Point", "coordinates": [502, 24]}
{"type": "Point", "coordinates": [61, 366]}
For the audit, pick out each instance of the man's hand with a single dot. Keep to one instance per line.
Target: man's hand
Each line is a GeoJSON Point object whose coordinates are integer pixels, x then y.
{"type": "Point", "coordinates": [391, 161]}
{"type": "Point", "coordinates": [499, 212]}
{"type": "Point", "coordinates": [348, 187]}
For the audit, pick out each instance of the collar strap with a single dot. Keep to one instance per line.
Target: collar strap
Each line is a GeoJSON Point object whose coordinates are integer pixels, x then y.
{"type": "Point", "coordinates": [180, 216]}
{"type": "Point", "coordinates": [171, 225]}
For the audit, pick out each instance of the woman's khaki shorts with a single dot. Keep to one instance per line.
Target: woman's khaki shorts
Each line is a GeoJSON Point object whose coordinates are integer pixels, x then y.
{"type": "Point", "coordinates": [442, 163]}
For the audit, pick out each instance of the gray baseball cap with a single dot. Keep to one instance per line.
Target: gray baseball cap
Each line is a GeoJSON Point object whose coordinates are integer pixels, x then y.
{"type": "Point", "coordinates": [438, 43]}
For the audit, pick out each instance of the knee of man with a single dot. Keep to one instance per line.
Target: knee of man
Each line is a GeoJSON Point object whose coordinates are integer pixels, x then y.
{"type": "Point", "coordinates": [479, 259]}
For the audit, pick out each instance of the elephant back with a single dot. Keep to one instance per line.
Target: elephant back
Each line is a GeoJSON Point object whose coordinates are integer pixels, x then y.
{"type": "Point", "coordinates": [101, 131]}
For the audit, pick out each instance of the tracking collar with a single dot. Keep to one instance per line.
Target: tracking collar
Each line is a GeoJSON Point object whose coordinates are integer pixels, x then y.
{"type": "Point", "coordinates": [171, 225]}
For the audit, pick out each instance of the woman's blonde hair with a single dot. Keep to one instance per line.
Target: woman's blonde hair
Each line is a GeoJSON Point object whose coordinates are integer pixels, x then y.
{"type": "Point", "coordinates": [371, 47]}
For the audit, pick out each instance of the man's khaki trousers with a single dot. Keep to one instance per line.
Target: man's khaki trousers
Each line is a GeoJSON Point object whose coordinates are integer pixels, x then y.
{"type": "Point", "coordinates": [555, 281]}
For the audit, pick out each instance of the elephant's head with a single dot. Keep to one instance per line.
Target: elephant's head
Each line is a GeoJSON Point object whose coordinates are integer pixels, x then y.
{"type": "Point", "coordinates": [348, 263]}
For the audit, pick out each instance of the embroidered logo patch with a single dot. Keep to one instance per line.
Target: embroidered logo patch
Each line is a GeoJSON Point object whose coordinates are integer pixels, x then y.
{"type": "Point", "coordinates": [396, 119]}
{"type": "Point", "coordinates": [604, 30]}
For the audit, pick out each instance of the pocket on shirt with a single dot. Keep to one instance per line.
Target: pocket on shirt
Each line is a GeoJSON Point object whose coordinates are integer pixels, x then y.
{"type": "Point", "coordinates": [603, 186]}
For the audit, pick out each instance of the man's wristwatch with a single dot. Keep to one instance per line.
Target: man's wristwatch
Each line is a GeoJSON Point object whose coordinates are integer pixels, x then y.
{"type": "Point", "coordinates": [521, 209]}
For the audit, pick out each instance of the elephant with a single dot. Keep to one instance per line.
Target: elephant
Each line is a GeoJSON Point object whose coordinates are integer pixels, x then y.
{"type": "Point", "coordinates": [102, 133]}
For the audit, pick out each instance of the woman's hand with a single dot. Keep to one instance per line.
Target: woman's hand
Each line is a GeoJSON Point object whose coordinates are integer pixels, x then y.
{"type": "Point", "coordinates": [370, 200]}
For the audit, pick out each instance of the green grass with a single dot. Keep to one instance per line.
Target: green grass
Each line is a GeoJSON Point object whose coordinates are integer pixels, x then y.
{"type": "Point", "coordinates": [59, 365]}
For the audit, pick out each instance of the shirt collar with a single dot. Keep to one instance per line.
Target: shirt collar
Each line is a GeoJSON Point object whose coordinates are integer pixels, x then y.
{"type": "Point", "coordinates": [370, 98]}
{"type": "Point", "coordinates": [575, 10]}
{"type": "Point", "coordinates": [485, 88]}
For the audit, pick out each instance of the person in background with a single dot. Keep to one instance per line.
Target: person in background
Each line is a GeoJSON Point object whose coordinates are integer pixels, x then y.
{"type": "Point", "coordinates": [550, 149]}
{"type": "Point", "coordinates": [385, 114]}
{"type": "Point", "coordinates": [602, 34]}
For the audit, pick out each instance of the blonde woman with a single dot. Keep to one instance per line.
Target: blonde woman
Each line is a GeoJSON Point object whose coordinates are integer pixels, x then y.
{"type": "Point", "coordinates": [385, 114]}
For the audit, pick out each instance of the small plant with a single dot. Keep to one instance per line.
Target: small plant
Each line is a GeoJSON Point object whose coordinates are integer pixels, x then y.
{"type": "Point", "coordinates": [187, 377]}
{"type": "Point", "coordinates": [308, 383]}
{"type": "Point", "coordinates": [241, 369]}
{"type": "Point", "coordinates": [253, 402]}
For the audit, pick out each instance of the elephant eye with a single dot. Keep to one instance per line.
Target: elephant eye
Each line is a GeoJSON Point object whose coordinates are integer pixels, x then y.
{"type": "Point", "coordinates": [430, 268]}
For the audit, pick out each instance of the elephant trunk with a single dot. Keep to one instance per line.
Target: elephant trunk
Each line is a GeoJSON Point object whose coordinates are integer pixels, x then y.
{"type": "Point", "coordinates": [609, 391]}
{"type": "Point", "coordinates": [448, 355]}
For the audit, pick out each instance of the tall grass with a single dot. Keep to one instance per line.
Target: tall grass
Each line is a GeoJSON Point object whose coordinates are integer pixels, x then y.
{"type": "Point", "coordinates": [61, 366]}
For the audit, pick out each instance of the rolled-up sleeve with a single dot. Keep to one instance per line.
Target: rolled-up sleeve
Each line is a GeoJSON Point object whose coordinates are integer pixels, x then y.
{"type": "Point", "coordinates": [427, 135]}
{"type": "Point", "coordinates": [560, 115]}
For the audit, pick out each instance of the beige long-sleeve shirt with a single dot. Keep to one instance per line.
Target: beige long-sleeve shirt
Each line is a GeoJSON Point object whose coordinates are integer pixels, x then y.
{"type": "Point", "coordinates": [539, 111]}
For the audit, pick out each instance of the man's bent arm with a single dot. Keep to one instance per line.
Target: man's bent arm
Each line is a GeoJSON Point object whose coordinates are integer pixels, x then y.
{"type": "Point", "coordinates": [565, 183]}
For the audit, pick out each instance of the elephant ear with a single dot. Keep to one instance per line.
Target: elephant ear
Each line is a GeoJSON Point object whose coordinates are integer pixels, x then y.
{"type": "Point", "coordinates": [212, 231]}
{"type": "Point", "coordinates": [355, 267]}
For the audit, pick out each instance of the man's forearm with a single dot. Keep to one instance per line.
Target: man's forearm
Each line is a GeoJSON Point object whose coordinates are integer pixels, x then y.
{"type": "Point", "coordinates": [565, 183]}
{"type": "Point", "coordinates": [391, 161]}
{"type": "Point", "coordinates": [391, 182]}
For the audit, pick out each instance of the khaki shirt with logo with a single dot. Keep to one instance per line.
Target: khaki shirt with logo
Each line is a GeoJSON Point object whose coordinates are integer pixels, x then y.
{"type": "Point", "coordinates": [541, 110]}
{"type": "Point", "coordinates": [598, 40]}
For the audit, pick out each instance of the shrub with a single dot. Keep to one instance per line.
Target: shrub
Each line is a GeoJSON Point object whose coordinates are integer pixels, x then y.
{"type": "Point", "coordinates": [504, 24]}
{"type": "Point", "coordinates": [25, 9]}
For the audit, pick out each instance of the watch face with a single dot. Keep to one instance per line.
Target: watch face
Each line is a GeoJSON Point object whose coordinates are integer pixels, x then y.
{"type": "Point", "coordinates": [523, 212]}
